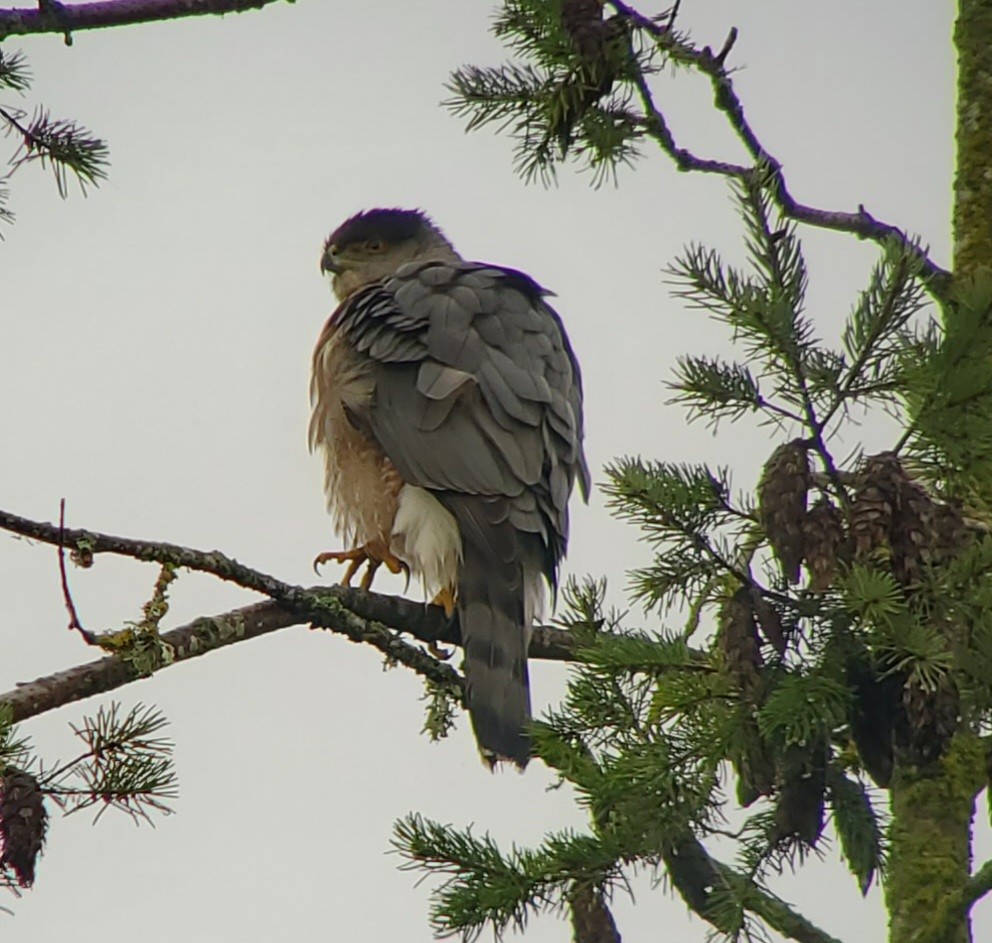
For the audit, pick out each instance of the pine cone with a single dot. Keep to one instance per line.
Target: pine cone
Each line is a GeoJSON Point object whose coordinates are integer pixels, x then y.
{"type": "Point", "coordinates": [914, 537]}
{"type": "Point", "coordinates": [583, 21]}
{"type": "Point", "coordinates": [931, 719]}
{"type": "Point", "coordinates": [875, 500]}
{"type": "Point", "coordinates": [755, 767]}
{"type": "Point", "coordinates": [782, 504]}
{"type": "Point", "coordinates": [801, 787]}
{"type": "Point", "coordinates": [23, 823]}
{"type": "Point", "coordinates": [738, 639]}
{"type": "Point", "coordinates": [823, 544]}
{"type": "Point", "coordinates": [951, 530]}
{"type": "Point", "coordinates": [876, 713]}
{"type": "Point", "coordinates": [768, 620]}
{"type": "Point", "coordinates": [601, 48]}
{"type": "Point", "coordinates": [591, 917]}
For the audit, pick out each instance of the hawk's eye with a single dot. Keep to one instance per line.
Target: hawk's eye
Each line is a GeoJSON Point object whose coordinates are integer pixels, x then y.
{"type": "Point", "coordinates": [374, 245]}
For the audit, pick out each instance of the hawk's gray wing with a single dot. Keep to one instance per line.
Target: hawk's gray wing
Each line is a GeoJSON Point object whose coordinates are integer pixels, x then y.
{"type": "Point", "coordinates": [477, 397]}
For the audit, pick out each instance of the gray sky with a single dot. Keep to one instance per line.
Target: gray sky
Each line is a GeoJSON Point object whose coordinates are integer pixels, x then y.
{"type": "Point", "coordinates": [156, 341]}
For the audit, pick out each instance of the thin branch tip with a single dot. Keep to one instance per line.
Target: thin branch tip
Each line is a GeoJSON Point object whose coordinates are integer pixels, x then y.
{"type": "Point", "coordinates": [721, 57]}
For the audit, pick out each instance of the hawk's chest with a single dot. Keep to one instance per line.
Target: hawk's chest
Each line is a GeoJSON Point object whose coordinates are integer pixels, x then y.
{"type": "Point", "coordinates": [361, 484]}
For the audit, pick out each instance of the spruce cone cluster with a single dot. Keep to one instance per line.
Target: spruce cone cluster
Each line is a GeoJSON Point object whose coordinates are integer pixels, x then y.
{"type": "Point", "coordinates": [23, 823]}
{"type": "Point", "coordinates": [890, 517]}
{"type": "Point", "coordinates": [892, 522]}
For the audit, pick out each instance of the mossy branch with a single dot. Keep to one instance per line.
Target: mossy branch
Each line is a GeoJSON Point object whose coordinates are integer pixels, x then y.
{"type": "Point", "coordinates": [361, 616]}
{"type": "Point", "coordinates": [954, 909]}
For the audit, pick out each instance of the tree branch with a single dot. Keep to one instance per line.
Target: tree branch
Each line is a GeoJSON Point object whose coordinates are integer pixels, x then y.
{"type": "Point", "coordinates": [51, 16]}
{"type": "Point", "coordinates": [953, 909]}
{"type": "Point", "coordinates": [712, 65]}
{"type": "Point", "coordinates": [361, 616]}
{"type": "Point", "coordinates": [84, 542]}
{"type": "Point", "coordinates": [210, 633]}
{"type": "Point", "coordinates": [592, 921]}
{"type": "Point", "coordinates": [978, 886]}
{"type": "Point", "coordinates": [696, 874]}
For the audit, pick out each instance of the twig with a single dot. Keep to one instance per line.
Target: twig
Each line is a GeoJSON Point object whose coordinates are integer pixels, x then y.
{"type": "Point", "coordinates": [426, 623]}
{"type": "Point", "coordinates": [206, 635]}
{"type": "Point", "coordinates": [860, 223]}
{"type": "Point", "coordinates": [66, 19]}
{"type": "Point", "coordinates": [74, 624]}
{"type": "Point", "coordinates": [13, 119]}
{"type": "Point", "coordinates": [728, 44]}
{"type": "Point", "coordinates": [213, 562]}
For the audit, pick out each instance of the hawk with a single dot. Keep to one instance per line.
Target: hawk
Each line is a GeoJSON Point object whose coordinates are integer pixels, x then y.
{"type": "Point", "coordinates": [447, 404]}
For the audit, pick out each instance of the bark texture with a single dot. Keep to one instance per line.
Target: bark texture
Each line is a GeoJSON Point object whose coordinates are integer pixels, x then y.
{"type": "Point", "coordinates": [933, 803]}
{"type": "Point", "coordinates": [973, 180]}
{"type": "Point", "coordinates": [930, 854]}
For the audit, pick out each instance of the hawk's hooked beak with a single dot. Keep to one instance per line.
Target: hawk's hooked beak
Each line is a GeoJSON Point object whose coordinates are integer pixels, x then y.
{"type": "Point", "coordinates": [329, 262]}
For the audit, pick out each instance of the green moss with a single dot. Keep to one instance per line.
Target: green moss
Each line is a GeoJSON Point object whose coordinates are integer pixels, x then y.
{"type": "Point", "coordinates": [973, 180]}
{"type": "Point", "coordinates": [930, 857]}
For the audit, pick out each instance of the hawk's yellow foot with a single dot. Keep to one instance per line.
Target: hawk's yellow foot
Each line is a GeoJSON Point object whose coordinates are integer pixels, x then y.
{"type": "Point", "coordinates": [445, 598]}
{"type": "Point", "coordinates": [373, 554]}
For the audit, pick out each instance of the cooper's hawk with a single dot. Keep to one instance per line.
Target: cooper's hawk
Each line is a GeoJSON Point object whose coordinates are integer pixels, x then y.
{"type": "Point", "coordinates": [448, 406]}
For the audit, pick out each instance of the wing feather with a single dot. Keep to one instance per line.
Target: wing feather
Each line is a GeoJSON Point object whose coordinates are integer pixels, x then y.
{"type": "Point", "coordinates": [476, 394]}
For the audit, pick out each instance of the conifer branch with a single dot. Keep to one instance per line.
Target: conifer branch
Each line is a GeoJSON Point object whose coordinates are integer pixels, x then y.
{"type": "Point", "coordinates": [696, 874]}
{"type": "Point", "coordinates": [51, 16]}
{"type": "Point", "coordinates": [713, 66]}
{"type": "Point", "coordinates": [64, 145]}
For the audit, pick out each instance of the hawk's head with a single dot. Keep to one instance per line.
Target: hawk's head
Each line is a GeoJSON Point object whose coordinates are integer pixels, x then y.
{"type": "Point", "coordinates": [373, 244]}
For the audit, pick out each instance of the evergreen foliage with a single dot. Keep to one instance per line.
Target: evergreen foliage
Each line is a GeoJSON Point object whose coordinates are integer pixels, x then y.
{"type": "Point", "coordinates": [570, 98]}
{"type": "Point", "coordinates": [62, 145]}
{"type": "Point", "coordinates": [837, 617]}
{"type": "Point", "coordinates": [125, 764]}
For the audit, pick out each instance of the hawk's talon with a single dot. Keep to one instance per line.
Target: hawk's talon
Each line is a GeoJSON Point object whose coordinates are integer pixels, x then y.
{"type": "Point", "coordinates": [373, 554]}
{"type": "Point", "coordinates": [441, 654]}
{"type": "Point", "coordinates": [373, 565]}
{"type": "Point", "coordinates": [446, 599]}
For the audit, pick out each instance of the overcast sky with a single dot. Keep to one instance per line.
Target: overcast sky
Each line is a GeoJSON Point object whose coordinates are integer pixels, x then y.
{"type": "Point", "coordinates": [155, 341]}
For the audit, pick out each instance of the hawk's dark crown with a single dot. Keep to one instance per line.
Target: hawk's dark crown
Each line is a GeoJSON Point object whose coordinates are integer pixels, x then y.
{"type": "Point", "coordinates": [392, 226]}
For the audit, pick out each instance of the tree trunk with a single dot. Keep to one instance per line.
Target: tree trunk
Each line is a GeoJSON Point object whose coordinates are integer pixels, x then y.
{"type": "Point", "coordinates": [930, 854]}
{"type": "Point", "coordinates": [933, 806]}
{"type": "Point", "coordinates": [973, 181]}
